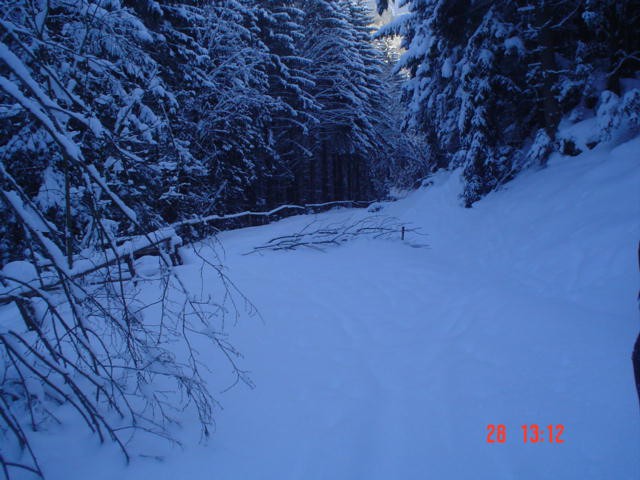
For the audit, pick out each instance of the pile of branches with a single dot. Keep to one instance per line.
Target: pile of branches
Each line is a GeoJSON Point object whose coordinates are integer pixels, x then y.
{"type": "Point", "coordinates": [87, 333]}
{"type": "Point", "coordinates": [119, 347]}
{"type": "Point", "coordinates": [317, 237]}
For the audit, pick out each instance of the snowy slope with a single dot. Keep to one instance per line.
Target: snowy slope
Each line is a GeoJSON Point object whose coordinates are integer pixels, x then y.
{"type": "Point", "coordinates": [378, 361]}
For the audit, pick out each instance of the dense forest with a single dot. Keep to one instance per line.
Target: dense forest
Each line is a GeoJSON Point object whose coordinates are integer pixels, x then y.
{"type": "Point", "coordinates": [491, 82]}
{"type": "Point", "coordinates": [193, 108]}
{"type": "Point", "coordinates": [121, 120]}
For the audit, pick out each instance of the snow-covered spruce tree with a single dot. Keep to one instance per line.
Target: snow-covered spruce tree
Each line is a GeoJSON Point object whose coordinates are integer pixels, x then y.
{"type": "Point", "coordinates": [222, 151]}
{"type": "Point", "coordinates": [347, 72]}
{"type": "Point", "coordinates": [232, 112]}
{"type": "Point", "coordinates": [398, 159]}
{"type": "Point", "coordinates": [280, 27]}
{"type": "Point", "coordinates": [378, 86]}
{"type": "Point", "coordinates": [88, 59]}
{"type": "Point", "coordinates": [181, 60]}
{"type": "Point", "coordinates": [490, 81]}
{"type": "Point", "coordinates": [80, 96]}
{"type": "Point", "coordinates": [489, 139]}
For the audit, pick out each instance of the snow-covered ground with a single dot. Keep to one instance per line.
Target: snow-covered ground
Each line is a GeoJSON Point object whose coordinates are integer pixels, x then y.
{"type": "Point", "coordinates": [376, 360]}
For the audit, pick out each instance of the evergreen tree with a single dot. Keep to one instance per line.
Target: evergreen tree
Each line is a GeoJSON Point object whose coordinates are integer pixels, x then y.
{"type": "Point", "coordinates": [182, 61]}
{"type": "Point", "coordinates": [280, 28]}
{"type": "Point", "coordinates": [81, 93]}
{"type": "Point", "coordinates": [231, 112]}
{"type": "Point", "coordinates": [348, 74]}
{"type": "Point", "coordinates": [387, 152]}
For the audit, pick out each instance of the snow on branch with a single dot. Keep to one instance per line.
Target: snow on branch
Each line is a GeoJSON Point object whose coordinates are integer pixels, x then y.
{"type": "Point", "coordinates": [282, 208]}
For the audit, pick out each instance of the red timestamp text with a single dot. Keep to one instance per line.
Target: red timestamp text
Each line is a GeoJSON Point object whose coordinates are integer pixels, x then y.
{"type": "Point", "coordinates": [530, 433]}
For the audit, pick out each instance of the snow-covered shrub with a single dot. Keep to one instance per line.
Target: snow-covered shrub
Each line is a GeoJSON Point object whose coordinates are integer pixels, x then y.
{"type": "Point", "coordinates": [619, 117]}
{"type": "Point", "coordinates": [540, 149]}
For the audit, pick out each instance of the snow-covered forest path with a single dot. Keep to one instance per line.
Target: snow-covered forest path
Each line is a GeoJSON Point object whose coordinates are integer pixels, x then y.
{"type": "Point", "coordinates": [377, 360]}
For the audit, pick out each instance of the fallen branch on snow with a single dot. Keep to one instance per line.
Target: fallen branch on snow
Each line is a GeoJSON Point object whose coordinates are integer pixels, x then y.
{"type": "Point", "coordinates": [376, 227]}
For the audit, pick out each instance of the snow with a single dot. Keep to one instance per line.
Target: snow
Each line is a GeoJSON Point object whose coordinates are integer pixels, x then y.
{"type": "Point", "coordinates": [447, 68]}
{"type": "Point", "coordinates": [516, 44]}
{"type": "Point", "coordinates": [378, 361]}
{"type": "Point", "coordinates": [19, 270]}
{"type": "Point", "coordinates": [581, 133]}
{"type": "Point", "coordinates": [616, 118]}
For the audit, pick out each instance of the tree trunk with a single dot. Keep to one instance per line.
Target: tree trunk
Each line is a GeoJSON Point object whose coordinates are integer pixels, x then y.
{"type": "Point", "coordinates": [550, 105]}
